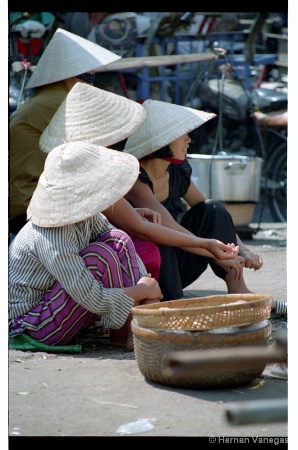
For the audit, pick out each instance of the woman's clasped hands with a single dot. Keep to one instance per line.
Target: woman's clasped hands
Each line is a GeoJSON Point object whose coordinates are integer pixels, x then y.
{"type": "Point", "coordinates": [252, 260]}
{"type": "Point", "coordinates": [220, 250]}
{"type": "Point", "coordinates": [247, 259]}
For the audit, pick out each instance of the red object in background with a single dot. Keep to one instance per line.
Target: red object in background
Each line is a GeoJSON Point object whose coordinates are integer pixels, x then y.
{"type": "Point", "coordinates": [28, 47]}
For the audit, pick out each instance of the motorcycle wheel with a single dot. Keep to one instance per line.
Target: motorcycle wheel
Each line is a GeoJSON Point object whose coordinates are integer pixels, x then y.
{"type": "Point", "coordinates": [277, 193]}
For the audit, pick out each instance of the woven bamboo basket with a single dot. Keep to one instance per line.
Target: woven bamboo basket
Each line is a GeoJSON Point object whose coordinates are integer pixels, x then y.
{"type": "Point", "coordinates": [151, 348]}
{"type": "Point", "coordinates": [204, 313]}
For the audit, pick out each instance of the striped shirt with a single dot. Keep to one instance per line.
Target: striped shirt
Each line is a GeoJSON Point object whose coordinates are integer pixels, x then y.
{"type": "Point", "coordinates": [39, 257]}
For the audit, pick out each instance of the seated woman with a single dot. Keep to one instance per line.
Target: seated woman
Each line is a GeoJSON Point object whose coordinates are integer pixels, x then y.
{"type": "Point", "coordinates": [161, 145]}
{"type": "Point", "coordinates": [68, 266]}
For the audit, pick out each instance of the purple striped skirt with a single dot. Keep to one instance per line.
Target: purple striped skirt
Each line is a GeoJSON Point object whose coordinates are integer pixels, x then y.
{"type": "Point", "coordinates": [59, 318]}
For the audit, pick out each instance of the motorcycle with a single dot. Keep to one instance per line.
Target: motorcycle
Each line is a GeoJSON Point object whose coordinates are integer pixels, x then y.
{"type": "Point", "coordinates": [236, 131]}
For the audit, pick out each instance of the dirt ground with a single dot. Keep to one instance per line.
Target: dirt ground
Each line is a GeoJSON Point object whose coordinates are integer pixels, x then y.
{"type": "Point", "coordinates": [98, 392]}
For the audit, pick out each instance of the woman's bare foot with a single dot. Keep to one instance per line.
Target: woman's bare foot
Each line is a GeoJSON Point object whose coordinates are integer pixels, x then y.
{"type": "Point", "coordinates": [129, 342]}
{"type": "Point", "coordinates": [123, 336]}
{"type": "Point", "coordinates": [236, 286]}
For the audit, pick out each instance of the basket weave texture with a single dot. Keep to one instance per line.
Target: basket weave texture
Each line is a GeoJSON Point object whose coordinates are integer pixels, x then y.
{"type": "Point", "coordinates": [151, 348]}
{"type": "Point", "coordinates": [204, 313]}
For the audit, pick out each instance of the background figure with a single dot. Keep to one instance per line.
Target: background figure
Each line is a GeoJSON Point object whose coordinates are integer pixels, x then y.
{"type": "Point", "coordinates": [277, 119]}
{"type": "Point", "coordinates": [67, 59]}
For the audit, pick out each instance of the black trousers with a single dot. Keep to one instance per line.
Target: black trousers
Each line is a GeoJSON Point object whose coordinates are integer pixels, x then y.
{"type": "Point", "coordinates": [179, 268]}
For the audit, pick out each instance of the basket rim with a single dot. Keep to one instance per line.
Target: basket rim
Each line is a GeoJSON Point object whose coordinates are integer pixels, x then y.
{"type": "Point", "coordinates": [152, 334]}
{"type": "Point", "coordinates": [224, 302]}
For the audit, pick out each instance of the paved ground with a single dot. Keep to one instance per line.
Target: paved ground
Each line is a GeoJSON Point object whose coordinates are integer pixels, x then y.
{"type": "Point", "coordinates": [94, 393]}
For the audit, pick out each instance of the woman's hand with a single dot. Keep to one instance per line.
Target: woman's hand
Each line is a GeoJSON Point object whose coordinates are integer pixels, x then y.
{"type": "Point", "coordinates": [237, 264]}
{"type": "Point", "coordinates": [146, 290]}
{"type": "Point", "coordinates": [220, 250]}
{"type": "Point", "coordinates": [148, 214]}
{"type": "Point", "coordinates": [253, 260]}
{"type": "Point", "coordinates": [153, 291]}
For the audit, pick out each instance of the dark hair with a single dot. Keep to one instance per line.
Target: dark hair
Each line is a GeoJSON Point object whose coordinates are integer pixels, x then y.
{"type": "Point", "coordinates": [164, 152]}
{"type": "Point", "coordinates": [119, 145]}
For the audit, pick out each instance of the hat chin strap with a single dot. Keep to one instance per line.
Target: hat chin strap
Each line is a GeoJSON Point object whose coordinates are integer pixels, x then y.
{"type": "Point", "coordinates": [170, 159]}
{"type": "Point", "coordinates": [174, 160]}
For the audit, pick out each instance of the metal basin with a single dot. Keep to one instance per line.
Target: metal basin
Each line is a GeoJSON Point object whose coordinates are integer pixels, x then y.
{"type": "Point", "coordinates": [230, 178]}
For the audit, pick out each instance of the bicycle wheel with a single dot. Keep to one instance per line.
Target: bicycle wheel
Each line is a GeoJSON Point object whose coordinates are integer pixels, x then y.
{"type": "Point", "coordinates": [277, 192]}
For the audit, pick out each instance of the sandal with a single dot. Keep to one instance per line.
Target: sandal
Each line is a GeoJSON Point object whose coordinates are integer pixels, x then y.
{"type": "Point", "coordinates": [281, 308]}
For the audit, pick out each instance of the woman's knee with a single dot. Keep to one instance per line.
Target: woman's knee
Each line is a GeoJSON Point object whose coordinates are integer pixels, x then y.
{"type": "Point", "coordinates": [110, 256]}
{"type": "Point", "coordinates": [214, 205]}
{"type": "Point", "coordinates": [218, 207]}
{"type": "Point", "coordinates": [114, 237]}
{"type": "Point", "coordinates": [150, 255]}
{"type": "Point", "coordinates": [103, 263]}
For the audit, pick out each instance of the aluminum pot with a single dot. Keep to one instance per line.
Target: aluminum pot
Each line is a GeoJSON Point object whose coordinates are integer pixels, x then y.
{"type": "Point", "coordinates": [229, 178]}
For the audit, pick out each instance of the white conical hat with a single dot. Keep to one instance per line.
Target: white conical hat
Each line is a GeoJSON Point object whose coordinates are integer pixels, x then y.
{"type": "Point", "coordinates": [80, 180]}
{"type": "Point", "coordinates": [66, 56]}
{"type": "Point", "coordinates": [165, 122]}
{"type": "Point", "coordinates": [92, 115]}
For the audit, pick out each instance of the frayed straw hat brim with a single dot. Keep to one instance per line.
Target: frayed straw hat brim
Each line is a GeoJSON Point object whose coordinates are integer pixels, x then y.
{"type": "Point", "coordinates": [68, 55]}
{"type": "Point", "coordinates": [80, 180]}
{"type": "Point", "coordinates": [92, 115]}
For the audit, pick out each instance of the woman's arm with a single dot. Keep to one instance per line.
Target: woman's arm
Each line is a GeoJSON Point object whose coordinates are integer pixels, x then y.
{"type": "Point", "coordinates": [275, 119]}
{"type": "Point", "coordinates": [141, 195]}
{"type": "Point", "coordinates": [193, 195]}
{"type": "Point", "coordinates": [252, 260]}
{"type": "Point", "coordinates": [123, 216]}
{"type": "Point", "coordinates": [147, 288]}
{"type": "Point", "coordinates": [148, 214]}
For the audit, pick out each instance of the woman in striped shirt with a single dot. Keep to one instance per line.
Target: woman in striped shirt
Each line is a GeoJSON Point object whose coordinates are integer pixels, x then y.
{"type": "Point", "coordinates": [68, 266]}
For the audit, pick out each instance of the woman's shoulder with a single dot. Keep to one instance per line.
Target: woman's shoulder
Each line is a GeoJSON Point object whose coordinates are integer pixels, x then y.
{"type": "Point", "coordinates": [51, 94]}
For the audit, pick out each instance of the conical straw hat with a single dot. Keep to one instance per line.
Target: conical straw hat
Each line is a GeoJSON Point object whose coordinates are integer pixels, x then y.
{"type": "Point", "coordinates": [66, 56]}
{"type": "Point", "coordinates": [165, 122]}
{"type": "Point", "coordinates": [92, 115]}
{"type": "Point", "coordinates": [80, 180]}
